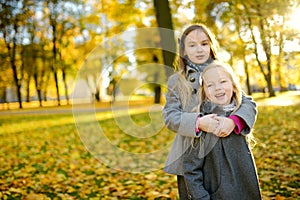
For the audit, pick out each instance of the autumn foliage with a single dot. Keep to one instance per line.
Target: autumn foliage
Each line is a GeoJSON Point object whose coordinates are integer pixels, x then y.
{"type": "Point", "coordinates": [42, 157]}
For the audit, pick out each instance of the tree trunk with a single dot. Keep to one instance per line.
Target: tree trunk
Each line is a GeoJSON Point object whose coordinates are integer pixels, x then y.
{"type": "Point", "coordinates": [280, 64]}
{"type": "Point", "coordinates": [267, 51]}
{"type": "Point", "coordinates": [66, 86]}
{"type": "Point", "coordinates": [54, 67]}
{"type": "Point", "coordinates": [247, 76]}
{"type": "Point", "coordinates": [56, 86]}
{"type": "Point", "coordinates": [157, 91]}
{"type": "Point", "coordinates": [15, 73]}
{"type": "Point", "coordinates": [97, 94]}
{"type": "Point", "coordinates": [167, 39]}
{"type": "Point", "coordinates": [28, 88]}
{"type": "Point", "coordinates": [270, 86]}
{"type": "Point", "coordinates": [38, 88]}
{"type": "Point", "coordinates": [265, 69]}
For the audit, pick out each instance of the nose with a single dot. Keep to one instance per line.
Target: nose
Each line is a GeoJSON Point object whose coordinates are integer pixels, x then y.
{"type": "Point", "coordinates": [199, 47]}
{"type": "Point", "coordinates": [219, 86]}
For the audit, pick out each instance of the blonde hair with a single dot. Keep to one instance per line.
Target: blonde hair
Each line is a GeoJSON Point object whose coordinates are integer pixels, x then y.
{"type": "Point", "coordinates": [237, 91]}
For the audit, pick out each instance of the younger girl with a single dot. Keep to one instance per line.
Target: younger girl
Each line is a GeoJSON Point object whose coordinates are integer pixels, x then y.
{"type": "Point", "coordinates": [223, 167]}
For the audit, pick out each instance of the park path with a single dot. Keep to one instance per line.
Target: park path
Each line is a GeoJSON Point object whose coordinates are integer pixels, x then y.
{"type": "Point", "coordinates": [76, 109]}
{"type": "Point", "coordinates": [284, 99]}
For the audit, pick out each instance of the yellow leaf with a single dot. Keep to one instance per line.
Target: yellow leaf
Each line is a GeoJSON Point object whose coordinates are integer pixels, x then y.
{"type": "Point", "coordinates": [279, 197]}
{"type": "Point", "coordinates": [151, 176]}
{"type": "Point", "coordinates": [33, 196]}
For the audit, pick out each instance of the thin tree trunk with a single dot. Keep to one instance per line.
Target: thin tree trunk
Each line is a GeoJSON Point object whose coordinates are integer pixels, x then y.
{"type": "Point", "coordinates": [54, 67]}
{"type": "Point", "coordinates": [15, 73]}
{"type": "Point", "coordinates": [38, 89]}
{"type": "Point", "coordinates": [247, 76]}
{"type": "Point", "coordinates": [65, 85]}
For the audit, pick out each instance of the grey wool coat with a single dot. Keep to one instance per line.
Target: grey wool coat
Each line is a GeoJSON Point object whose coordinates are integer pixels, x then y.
{"type": "Point", "coordinates": [226, 171]}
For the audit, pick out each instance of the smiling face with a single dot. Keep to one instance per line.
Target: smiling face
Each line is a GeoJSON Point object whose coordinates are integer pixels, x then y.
{"type": "Point", "coordinates": [218, 86]}
{"type": "Point", "coordinates": [197, 46]}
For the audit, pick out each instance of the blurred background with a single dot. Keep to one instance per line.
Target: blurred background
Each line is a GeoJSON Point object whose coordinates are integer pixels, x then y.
{"type": "Point", "coordinates": [44, 44]}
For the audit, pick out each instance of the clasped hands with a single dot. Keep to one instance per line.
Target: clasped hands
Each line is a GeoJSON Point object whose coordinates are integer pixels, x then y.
{"type": "Point", "coordinates": [217, 125]}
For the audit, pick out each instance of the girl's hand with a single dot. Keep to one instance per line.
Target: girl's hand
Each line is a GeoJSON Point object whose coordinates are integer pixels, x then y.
{"type": "Point", "coordinates": [208, 123]}
{"type": "Point", "coordinates": [225, 128]}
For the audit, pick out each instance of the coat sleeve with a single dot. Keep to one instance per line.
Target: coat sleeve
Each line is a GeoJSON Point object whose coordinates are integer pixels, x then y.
{"type": "Point", "coordinates": [247, 112]}
{"type": "Point", "coordinates": [183, 123]}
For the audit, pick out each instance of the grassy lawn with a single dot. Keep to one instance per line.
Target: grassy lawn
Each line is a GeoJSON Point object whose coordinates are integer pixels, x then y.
{"type": "Point", "coordinates": [43, 157]}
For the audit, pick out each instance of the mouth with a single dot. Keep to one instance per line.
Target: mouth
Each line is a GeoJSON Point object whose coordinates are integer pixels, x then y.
{"type": "Point", "coordinates": [199, 57]}
{"type": "Point", "coordinates": [221, 95]}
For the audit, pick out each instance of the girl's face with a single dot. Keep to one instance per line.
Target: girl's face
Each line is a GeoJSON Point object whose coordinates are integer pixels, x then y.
{"type": "Point", "coordinates": [197, 46]}
{"type": "Point", "coordinates": [218, 86]}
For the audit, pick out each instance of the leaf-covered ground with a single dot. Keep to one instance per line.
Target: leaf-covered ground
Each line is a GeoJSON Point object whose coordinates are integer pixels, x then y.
{"type": "Point", "coordinates": [277, 152]}
{"type": "Point", "coordinates": [42, 157]}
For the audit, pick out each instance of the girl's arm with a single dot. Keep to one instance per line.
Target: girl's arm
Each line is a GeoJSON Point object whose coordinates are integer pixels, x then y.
{"type": "Point", "coordinates": [183, 123]}
{"type": "Point", "coordinates": [247, 112]}
{"type": "Point", "coordinates": [175, 119]}
{"type": "Point", "coordinates": [241, 121]}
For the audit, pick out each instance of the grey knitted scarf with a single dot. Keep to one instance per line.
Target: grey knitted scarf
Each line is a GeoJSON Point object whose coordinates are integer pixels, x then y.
{"type": "Point", "coordinates": [198, 67]}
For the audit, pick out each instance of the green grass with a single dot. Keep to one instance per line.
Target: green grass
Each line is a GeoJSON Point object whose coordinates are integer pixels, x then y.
{"type": "Point", "coordinates": [43, 157]}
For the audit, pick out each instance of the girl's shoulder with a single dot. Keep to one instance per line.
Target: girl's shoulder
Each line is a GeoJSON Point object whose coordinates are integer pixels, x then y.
{"type": "Point", "coordinates": [174, 78]}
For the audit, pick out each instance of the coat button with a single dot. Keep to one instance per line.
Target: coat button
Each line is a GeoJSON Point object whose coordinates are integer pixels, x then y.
{"type": "Point", "coordinates": [192, 79]}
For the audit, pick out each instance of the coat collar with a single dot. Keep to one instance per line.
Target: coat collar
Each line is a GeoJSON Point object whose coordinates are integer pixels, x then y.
{"type": "Point", "coordinates": [192, 67]}
{"type": "Point", "coordinates": [207, 107]}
